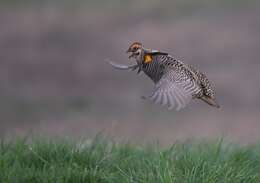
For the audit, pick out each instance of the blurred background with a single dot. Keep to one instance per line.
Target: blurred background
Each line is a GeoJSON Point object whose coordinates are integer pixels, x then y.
{"type": "Point", "coordinates": [54, 81]}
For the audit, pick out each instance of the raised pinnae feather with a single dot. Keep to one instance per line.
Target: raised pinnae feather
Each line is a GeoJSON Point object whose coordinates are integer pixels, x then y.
{"type": "Point", "coordinates": [121, 66]}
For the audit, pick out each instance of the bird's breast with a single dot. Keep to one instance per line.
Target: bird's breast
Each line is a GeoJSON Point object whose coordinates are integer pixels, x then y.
{"type": "Point", "coordinates": [153, 70]}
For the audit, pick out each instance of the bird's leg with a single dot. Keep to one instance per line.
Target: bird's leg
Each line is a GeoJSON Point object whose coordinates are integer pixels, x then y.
{"type": "Point", "coordinates": [139, 69]}
{"type": "Point", "coordinates": [147, 96]}
{"type": "Point", "coordinates": [135, 67]}
{"type": "Point", "coordinates": [144, 97]}
{"type": "Point", "coordinates": [139, 66]}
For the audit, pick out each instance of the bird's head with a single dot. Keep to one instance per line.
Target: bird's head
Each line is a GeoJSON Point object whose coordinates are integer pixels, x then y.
{"type": "Point", "coordinates": [135, 50]}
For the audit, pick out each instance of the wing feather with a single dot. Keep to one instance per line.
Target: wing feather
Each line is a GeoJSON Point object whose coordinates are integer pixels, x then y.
{"type": "Point", "coordinates": [158, 97]}
{"type": "Point", "coordinates": [171, 102]}
{"type": "Point", "coordinates": [164, 99]}
{"type": "Point", "coordinates": [180, 98]}
{"type": "Point", "coordinates": [174, 89]}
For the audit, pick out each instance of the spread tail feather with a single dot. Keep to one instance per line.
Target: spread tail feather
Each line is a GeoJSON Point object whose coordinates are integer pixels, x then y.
{"type": "Point", "coordinates": [210, 101]}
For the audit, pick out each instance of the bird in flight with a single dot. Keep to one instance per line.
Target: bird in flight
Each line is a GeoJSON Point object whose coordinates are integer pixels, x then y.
{"type": "Point", "coordinates": [176, 83]}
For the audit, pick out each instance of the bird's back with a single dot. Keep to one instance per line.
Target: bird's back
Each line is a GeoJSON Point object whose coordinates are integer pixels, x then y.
{"type": "Point", "coordinates": [203, 81]}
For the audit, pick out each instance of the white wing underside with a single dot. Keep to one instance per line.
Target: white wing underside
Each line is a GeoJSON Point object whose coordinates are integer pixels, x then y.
{"type": "Point", "coordinates": [173, 91]}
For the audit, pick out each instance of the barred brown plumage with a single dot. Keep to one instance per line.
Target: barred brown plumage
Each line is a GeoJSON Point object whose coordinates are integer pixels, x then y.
{"type": "Point", "coordinates": [175, 82]}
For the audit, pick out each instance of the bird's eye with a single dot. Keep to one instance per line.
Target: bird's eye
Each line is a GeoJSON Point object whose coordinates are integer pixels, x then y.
{"type": "Point", "coordinates": [135, 48]}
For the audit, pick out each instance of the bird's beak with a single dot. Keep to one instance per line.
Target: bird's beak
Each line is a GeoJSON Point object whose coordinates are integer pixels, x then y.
{"type": "Point", "coordinates": [130, 56]}
{"type": "Point", "coordinates": [129, 51]}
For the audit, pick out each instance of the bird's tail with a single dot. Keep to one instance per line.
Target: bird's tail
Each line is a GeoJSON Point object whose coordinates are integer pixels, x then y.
{"type": "Point", "coordinates": [210, 101]}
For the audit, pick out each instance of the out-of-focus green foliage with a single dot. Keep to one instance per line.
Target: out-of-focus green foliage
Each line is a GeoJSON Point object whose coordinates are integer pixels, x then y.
{"type": "Point", "coordinates": [101, 161]}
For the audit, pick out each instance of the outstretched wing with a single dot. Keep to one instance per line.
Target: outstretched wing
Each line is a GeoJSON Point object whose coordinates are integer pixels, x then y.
{"type": "Point", "coordinates": [175, 89]}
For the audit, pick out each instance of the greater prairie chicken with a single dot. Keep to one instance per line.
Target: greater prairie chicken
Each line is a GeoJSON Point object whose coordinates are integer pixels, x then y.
{"type": "Point", "coordinates": [176, 83]}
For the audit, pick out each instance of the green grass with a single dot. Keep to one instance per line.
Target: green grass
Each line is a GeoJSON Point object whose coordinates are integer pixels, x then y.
{"type": "Point", "coordinates": [62, 161]}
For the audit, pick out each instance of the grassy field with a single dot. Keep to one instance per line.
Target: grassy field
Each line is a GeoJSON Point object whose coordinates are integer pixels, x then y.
{"type": "Point", "coordinates": [62, 161]}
